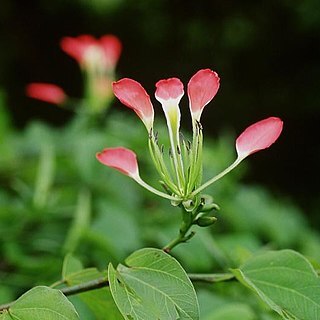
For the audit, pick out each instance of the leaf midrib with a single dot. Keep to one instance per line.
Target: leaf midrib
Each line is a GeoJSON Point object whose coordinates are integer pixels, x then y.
{"type": "Point", "coordinates": [285, 289]}
{"type": "Point", "coordinates": [161, 292]}
{"type": "Point", "coordinates": [170, 275]}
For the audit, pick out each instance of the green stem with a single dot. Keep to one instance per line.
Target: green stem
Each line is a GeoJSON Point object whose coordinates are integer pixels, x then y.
{"type": "Point", "coordinates": [155, 191]}
{"type": "Point", "coordinates": [210, 277]}
{"type": "Point", "coordinates": [69, 291]}
{"type": "Point", "coordinates": [195, 175]}
{"type": "Point", "coordinates": [87, 286]}
{"type": "Point", "coordinates": [187, 222]}
{"type": "Point", "coordinates": [57, 283]}
{"type": "Point", "coordinates": [103, 282]}
{"type": "Point", "coordinates": [217, 177]}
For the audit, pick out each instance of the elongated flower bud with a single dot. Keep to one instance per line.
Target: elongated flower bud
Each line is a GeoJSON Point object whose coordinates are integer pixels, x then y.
{"type": "Point", "coordinates": [169, 93]}
{"type": "Point", "coordinates": [121, 159]}
{"type": "Point", "coordinates": [47, 92]}
{"type": "Point", "coordinates": [134, 96]}
{"type": "Point", "coordinates": [258, 136]}
{"type": "Point", "coordinates": [125, 161]}
{"type": "Point", "coordinates": [202, 88]}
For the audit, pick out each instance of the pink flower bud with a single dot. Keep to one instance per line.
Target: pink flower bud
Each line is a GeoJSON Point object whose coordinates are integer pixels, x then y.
{"type": "Point", "coordinates": [121, 159]}
{"type": "Point", "coordinates": [169, 93]}
{"type": "Point", "coordinates": [112, 48]}
{"type": "Point", "coordinates": [258, 136]}
{"type": "Point", "coordinates": [169, 90]}
{"type": "Point", "coordinates": [76, 47]}
{"type": "Point", "coordinates": [86, 49]}
{"type": "Point", "coordinates": [46, 92]}
{"type": "Point", "coordinates": [134, 96]}
{"type": "Point", "coordinates": [202, 88]}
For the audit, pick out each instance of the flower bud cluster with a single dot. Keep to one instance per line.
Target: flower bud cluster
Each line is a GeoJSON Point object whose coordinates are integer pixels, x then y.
{"type": "Point", "coordinates": [97, 59]}
{"type": "Point", "coordinates": [180, 170]}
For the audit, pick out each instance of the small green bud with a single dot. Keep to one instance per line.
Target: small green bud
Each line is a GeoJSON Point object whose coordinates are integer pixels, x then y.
{"type": "Point", "coordinates": [209, 207]}
{"type": "Point", "coordinates": [206, 221]}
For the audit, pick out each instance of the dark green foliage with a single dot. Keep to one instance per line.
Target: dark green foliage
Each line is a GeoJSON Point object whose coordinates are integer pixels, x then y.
{"type": "Point", "coordinates": [56, 198]}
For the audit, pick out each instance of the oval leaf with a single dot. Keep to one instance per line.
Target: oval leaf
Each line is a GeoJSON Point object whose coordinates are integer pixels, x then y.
{"type": "Point", "coordinates": [286, 281]}
{"type": "Point", "coordinates": [153, 285]}
{"type": "Point", "coordinates": [99, 301]}
{"type": "Point", "coordinates": [43, 303]}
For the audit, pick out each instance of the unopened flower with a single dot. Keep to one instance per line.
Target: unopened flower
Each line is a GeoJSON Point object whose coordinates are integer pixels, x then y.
{"type": "Point", "coordinates": [202, 88]}
{"type": "Point", "coordinates": [259, 136]}
{"type": "Point", "coordinates": [47, 92]}
{"type": "Point", "coordinates": [97, 59]}
{"type": "Point", "coordinates": [169, 93]}
{"type": "Point", "coordinates": [181, 174]}
{"type": "Point", "coordinates": [121, 159]}
{"type": "Point", "coordinates": [135, 97]}
{"type": "Point", "coordinates": [93, 53]}
{"type": "Point", "coordinates": [125, 161]}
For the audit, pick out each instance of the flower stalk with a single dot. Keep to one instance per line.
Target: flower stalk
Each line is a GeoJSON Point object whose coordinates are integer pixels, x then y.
{"type": "Point", "coordinates": [187, 222]}
{"type": "Point", "coordinates": [193, 213]}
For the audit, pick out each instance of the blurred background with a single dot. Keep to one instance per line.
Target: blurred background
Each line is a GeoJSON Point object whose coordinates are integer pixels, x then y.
{"type": "Point", "coordinates": [266, 53]}
{"type": "Point", "coordinates": [55, 198]}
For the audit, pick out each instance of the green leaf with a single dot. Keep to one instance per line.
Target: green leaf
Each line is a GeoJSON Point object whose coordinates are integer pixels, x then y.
{"type": "Point", "coordinates": [286, 281]}
{"type": "Point", "coordinates": [99, 301]}
{"type": "Point", "coordinates": [41, 303]}
{"type": "Point", "coordinates": [70, 266]}
{"type": "Point", "coordinates": [84, 275]}
{"type": "Point", "coordinates": [5, 315]}
{"type": "Point", "coordinates": [214, 306]}
{"type": "Point", "coordinates": [82, 308]}
{"type": "Point", "coordinates": [153, 286]}
{"type": "Point", "coordinates": [232, 311]}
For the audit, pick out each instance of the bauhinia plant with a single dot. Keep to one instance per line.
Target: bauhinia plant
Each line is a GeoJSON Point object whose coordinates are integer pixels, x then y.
{"type": "Point", "coordinates": [151, 284]}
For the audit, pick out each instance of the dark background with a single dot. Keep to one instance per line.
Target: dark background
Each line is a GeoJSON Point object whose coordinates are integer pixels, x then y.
{"type": "Point", "coordinates": [266, 52]}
